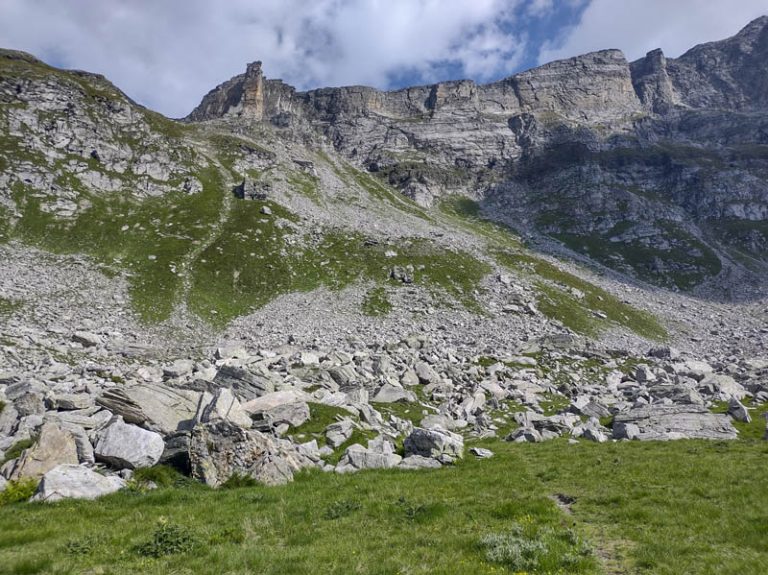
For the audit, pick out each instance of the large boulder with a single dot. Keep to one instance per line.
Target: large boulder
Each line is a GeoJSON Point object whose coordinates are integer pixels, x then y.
{"type": "Point", "coordinates": [665, 422]}
{"type": "Point", "coordinates": [220, 449]}
{"type": "Point", "coordinates": [54, 446]}
{"type": "Point", "coordinates": [380, 454]}
{"type": "Point", "coordinates": [75, 482]}
{"type": "Point", "coordinates": [153, 406]}
{"type": "Point", "coordinates": [436, 443]}
{"type": "Point", "coordinates": [126, 446]}
{"type": "Point", "coordinates": [279, 408]}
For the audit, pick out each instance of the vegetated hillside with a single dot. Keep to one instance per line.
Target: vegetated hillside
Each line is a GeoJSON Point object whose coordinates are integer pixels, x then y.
{"type": "Point", "coordinates": [655, 168]}
{"type": "Point", "coordinates": [221, 218]}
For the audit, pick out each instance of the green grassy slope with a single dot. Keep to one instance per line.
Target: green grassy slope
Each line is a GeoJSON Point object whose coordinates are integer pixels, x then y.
{"type": "Point", "coordinates": [659, 508]}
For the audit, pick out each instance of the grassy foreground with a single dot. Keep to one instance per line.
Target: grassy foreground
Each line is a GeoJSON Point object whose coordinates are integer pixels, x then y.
{"type": "Point", "coordinates": [664, 508]}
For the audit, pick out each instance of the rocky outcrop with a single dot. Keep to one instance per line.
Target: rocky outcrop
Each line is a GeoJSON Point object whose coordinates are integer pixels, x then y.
{"type": "Point", "coordinates": [220, 449]}
{"type": "Point", "coordinates": [660, 161]}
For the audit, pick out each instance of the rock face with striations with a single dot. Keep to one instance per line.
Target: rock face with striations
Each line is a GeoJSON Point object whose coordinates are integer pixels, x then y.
{"type": "Point", "coordinates": [660, 162]}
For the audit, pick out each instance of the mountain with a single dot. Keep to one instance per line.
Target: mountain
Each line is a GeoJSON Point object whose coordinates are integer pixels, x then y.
{"type": "Point", "coordinates": [557, 200]}
{"type": "Point", "coordinates": [655, 168]}
{"type": "Point", "coordinates": [345, 279]}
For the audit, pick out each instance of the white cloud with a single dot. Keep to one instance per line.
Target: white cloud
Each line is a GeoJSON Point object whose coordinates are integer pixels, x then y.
{"type": "Point", "coordinates": [540, 7]}
{"type": "Point", "coordinates": [168, 53]}
{"type": "Point", "coordinates": [638, 26]}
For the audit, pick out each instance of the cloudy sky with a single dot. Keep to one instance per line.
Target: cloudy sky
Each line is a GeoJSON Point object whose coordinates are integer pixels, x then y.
{"type": "Point", "coordinates": [167, 53]}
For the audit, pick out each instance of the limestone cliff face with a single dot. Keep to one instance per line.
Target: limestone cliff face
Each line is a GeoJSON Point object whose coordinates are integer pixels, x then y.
{"type": "Point", "coordinates": [658, 168]}
{"type": "Point", "coordinates": [660, 159]}
{"type": "Point", "coordinates": [593, 87]}
{"type": "Point", "coordinates": [248, 96]}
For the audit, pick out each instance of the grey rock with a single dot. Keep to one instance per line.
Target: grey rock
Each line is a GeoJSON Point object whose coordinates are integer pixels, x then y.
{"type": "Point", "coordinates": [75, 482]}
{"type": "Point", "coordinates": [434, 442]}
{"type": "Point", "coordinates": [481, 452]}
{"type": "Point", "coordinates": [409, 378]}
{"type": "Point", "coordinates": [291, 414]}
{"type": "Point", "coordinates": [426, 374]}
{"type": "Point", "coordinates": [679, 394]}
{"type": "Point", "coordinates": [357, 457]}
{"type": "Point", "coordinates": [275, 399]}
{"type": "Point", "coordinates": [592, 409]}
{"type": "Point", "coordinates": [724, 386]}
{"type": "Point", "coordinates": [338, 433]}
{"type": "Point", "coordinates": [664, 422]}
{"type": "Point", "coordinates": [225, 406]}
{"type": "Point", "coordinates": [30, 403]}
{"type": "Point", "coordinates": [389, 393]}
{"type": "Point", "coordinates": [73, 401]}
{"type": "Point", "coordinates": [245, 384]}
{"type": "Point", "coordinates": [525, 434]}
{"type": "Point", "coordinates": [595, 435]}
{"type": "Point", "coordinates": [219, 449]}
{"type": "Point", "coordinates": [154, 406]}
{"type": "Point", "coordinates": [126, 446]}
{"type": "Point", "coordinates": [55, 446]}
{"type": "Point", "coordinates": [738, 411]}
{"type": "Point", "coordinates": [622, 430]}
{"type": "Point", "coordinates": [86, 339]}
{"type": "Point", "coordinates": [179, 368]}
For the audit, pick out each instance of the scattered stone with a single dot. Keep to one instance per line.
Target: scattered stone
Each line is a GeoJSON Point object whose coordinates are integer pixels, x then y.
{"type": "Point", "coordinates": [481, 453]}
{"type": "Point", "coordinates": [179, 368]}
{"type": "Point", "coordinates": [337, 434]}
{"type": "Point", "coordinates": [379, 455]}
{"type": "Point", "coordinates": [738, 411]}
{"type": "Point", "coordinates": [436, 443]}
{"type": "Point", "coordinates": [86, 339]}
{"type": "Point", "coordinates": [245, 384]}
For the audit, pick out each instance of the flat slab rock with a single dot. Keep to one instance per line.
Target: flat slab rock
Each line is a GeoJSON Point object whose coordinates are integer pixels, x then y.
{"type": "Point", "coordinates": [75, 482]}
{"type": "Point", "coordinates": [666, 422]}
{"type": "Point", "coordinates": [157, 407]}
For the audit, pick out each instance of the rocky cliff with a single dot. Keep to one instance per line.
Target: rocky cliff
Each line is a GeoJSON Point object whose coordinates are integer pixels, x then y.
{"type": "Point", "coordinates": [433, 202]}
{"type": "Point", "coordinates": [655, 168]}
